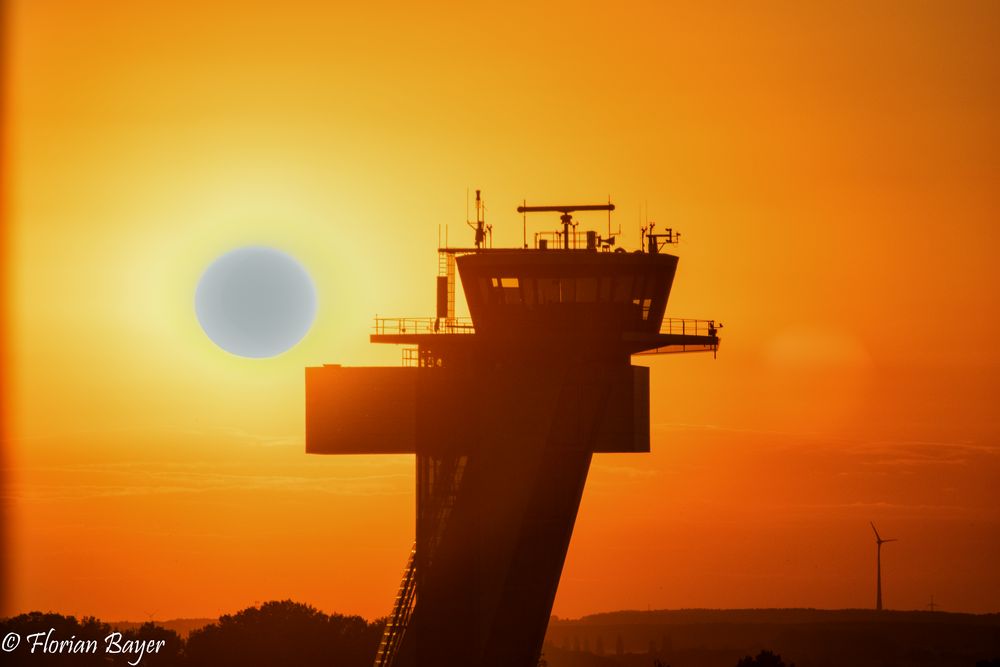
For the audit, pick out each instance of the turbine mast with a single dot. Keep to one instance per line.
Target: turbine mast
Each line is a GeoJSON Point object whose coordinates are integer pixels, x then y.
{"type": "Point", "coordinates": [878, 565]}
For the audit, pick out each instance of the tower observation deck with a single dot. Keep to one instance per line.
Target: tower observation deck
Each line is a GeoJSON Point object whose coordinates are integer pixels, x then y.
{"type": "Point", "coordinates": [504, 411]}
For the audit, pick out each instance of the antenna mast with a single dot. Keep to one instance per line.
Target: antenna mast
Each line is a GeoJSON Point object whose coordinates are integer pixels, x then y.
{"type": "Point", "coordinates": [482, 229]}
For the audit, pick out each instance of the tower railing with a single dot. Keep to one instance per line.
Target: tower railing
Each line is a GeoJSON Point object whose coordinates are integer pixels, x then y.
{"type": "Point", "coordinates": [390, 326]}
{"type": "Point", "coordinates": [396, 624]}
{"type": "Point", "coordinates": [707, 330]}
{"type": "Point", "coordinates": [688, 327]}
{"type": "Point", "coordinates": [557, 240]}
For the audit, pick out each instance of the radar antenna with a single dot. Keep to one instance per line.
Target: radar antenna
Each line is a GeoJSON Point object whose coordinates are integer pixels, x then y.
{"type": "Point", "coordinates": [566, 217]}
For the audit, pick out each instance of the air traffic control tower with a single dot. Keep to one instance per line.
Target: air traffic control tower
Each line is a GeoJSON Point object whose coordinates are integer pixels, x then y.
{"type": "Point", "coordinates": [504, 411]}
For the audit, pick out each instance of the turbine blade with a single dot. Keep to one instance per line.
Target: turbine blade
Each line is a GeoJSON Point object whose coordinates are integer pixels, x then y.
{"type": "Point", "coordinates": [892, 539]}
{"type": "Point", "coordinates": [877, 538]}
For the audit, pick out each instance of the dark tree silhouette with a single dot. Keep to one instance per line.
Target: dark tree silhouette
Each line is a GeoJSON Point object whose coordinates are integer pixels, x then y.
{"type": "Point", "coordinates": [63, 628]}
{"type": "Point", "coordinates": [763, 659]}
{"type": "Point", "coordinates": [284, 633]}
{"type": "Point", "coordinates": [168, 653]}
{"type": "Point", "coordinates": [276, 633]}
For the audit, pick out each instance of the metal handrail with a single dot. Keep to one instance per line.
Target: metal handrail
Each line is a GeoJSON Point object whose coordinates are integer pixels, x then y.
{"type": "Point", "coordinates": [689, 327]}
{"type": "Point", "coordinates": [556, 240]}
{"type": "Point", "coordinates": [397, 622]}
{"type": "Point", "coordinates": [392, 326]}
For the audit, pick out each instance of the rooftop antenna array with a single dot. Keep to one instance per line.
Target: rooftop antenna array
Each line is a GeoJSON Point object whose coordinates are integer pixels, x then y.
{"type": "Point", "coordinates": [611, 234]}
{"type": "Point", "coordinates": [484, 232]}
{"type": "Point", "coordinates": [566, 217]}
{"type": "Point", "coordinates": [652, 242]}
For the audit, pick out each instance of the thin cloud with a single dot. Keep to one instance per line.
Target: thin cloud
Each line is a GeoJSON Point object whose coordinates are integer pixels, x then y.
{"type": "Point", "coordinates": [148, 479]}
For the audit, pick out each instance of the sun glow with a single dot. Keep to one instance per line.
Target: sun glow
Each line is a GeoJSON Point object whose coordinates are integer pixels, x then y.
{"type": "Point", "coordinates": [808, 155]}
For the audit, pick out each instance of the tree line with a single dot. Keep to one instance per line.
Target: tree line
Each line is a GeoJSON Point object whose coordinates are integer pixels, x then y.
{"type": "Point", "coordinates": [275, 633]}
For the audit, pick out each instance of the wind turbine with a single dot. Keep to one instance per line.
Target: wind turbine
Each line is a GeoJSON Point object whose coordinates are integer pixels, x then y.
{"type": "Point", "coordinates": [878, 566]}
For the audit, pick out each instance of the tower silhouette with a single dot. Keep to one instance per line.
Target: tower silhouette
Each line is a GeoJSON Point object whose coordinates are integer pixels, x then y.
{"type": "Point", "coordinates": [504, 412]}
{"type": "Point", "coordinates": [878, 566]}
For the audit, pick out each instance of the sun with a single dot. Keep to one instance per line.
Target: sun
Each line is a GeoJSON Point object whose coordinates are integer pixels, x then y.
{"type": "Point", "coordinates": [255, 302]}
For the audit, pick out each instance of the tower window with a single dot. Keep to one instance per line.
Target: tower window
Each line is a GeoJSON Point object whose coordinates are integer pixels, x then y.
{"type": "Point", "coordinates": [586, 290]}
{"type": "Point", "coordinates": [623, 288]}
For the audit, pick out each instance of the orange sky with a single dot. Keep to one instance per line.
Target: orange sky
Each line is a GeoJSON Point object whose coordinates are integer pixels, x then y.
{"type": "Point", "coordinates": [833, 171]}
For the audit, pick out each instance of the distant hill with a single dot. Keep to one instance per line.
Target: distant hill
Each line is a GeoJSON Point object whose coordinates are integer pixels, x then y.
{"type": "Point", "coordinates": [182, 626]}
{"type": "Point", "coordinates": [792, 615]}
{"type": "Point", "coordinates": [807, 637]}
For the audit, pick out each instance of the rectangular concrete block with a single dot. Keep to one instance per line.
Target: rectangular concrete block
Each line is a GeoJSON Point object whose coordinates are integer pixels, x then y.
{"type": "Point", "coordinates": [361, 410]}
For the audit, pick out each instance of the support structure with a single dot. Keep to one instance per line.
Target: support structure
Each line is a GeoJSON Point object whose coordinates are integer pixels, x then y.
{"type": "Point", "coordinates": [878, 566]}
